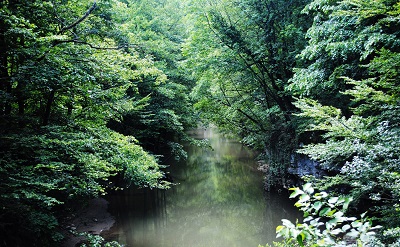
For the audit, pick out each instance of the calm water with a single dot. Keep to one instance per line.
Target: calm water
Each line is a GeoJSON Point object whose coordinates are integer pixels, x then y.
{"type": "Point", "coordinates": [218, 202]}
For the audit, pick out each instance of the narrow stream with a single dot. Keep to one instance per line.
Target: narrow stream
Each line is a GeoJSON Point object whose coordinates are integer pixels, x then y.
{"type": "Point", "coordinates": [219, 201]}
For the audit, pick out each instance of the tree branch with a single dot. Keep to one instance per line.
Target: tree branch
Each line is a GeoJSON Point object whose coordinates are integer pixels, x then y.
{"type": "Point", "coordinates": [75, 41]}
{"type": "Point", "coordinates": [79, 20]}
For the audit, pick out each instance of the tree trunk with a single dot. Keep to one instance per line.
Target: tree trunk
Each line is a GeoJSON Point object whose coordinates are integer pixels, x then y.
{"type": "Point", "coordinates": [5, 83]}
{"type": "Point", "coordinates": [50, 100]}
{"type": "Point", "coordinates": [70, 107]}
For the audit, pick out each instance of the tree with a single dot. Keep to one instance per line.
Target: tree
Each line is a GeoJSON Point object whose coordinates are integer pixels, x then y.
{"type": "Point", "coordinates": [361, 135]}
{"type": "Point", "coordinates": [157, 29]}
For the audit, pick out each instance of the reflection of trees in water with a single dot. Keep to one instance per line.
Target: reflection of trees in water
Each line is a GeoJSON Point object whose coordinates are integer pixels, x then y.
{"type": "Point", "coordinates": [278, 207]}
{"type": "Point", "coordinates": [139, 213]}
{"type": "Point", "coordinates": [219, 202]}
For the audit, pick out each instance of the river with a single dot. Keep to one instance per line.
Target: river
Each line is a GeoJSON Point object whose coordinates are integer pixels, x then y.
{"type": "Point", "coordinates": [218, 201]}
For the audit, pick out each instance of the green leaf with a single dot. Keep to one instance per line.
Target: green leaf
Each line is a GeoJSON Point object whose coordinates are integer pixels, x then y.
{"type": "Point", "coordinates": [341, 200]}
{"type": "Point", "coordinates": [300, 238]}
{"type": "Point", "coordinates": [333, 200]}
{"type": "Point", "coordinates": [308, 188]}
{"type": "Point", "coordinates": [346, 227]}
{"type": "Point", "coordinates": [279, 228]}
{"type": "Point", "coordinates": [331, 212]}
{"type": "Point", "coordinates": [317, 206]}
{"type": "Point", "coordinates": [296, 192]}
{"type": "Point", "coordinates": [320, 195]}
{"type": "Point", "coordinates": [309, 218]}
{"type": "Point", "coordinates": [304, 198]}
{"type": "Point", "coordinates": [336, 231]}
{"type": "Point", "coordinates": [352, 234]}
{"type": "Point", "coordinates": [356, 224]}
{"type": "Point", "coordinates": [288, 223]}
{"type": "Point", "coordinates": [324, 211]}
{"type": "Point", "coordinates": [346, 203]}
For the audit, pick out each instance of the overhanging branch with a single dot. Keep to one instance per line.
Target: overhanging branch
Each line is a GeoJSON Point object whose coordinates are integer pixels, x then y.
{"type": "Point", "coordinates": [90, 10]}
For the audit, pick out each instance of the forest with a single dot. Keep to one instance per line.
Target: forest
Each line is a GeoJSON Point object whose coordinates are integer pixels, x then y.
{"type": "Point", "coordinates": [96, 95]}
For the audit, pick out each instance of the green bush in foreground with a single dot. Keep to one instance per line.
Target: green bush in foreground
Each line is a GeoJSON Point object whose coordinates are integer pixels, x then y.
{"type": "Point", "coordinates": [326, 222]}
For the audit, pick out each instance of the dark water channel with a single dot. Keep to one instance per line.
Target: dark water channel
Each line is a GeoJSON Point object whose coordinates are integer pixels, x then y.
{"type": "Point", "coordinates": [218, 202]}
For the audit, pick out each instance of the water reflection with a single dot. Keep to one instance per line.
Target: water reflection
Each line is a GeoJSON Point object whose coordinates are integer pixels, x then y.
{"type": "Point", "coordinates": [218, 202]}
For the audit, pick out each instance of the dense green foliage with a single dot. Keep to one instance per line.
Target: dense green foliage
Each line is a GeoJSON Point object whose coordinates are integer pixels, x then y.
{"type": "Point", "coordinates": [71, 73]}
{"type": "Point", "coordinates": [326, 223]}
{"type": "Point", "coordinates": [157, 28]}
{"type": "Point", "coordinates": [361, 137]}
{"type": "Point", "coordinates": [241, 53]}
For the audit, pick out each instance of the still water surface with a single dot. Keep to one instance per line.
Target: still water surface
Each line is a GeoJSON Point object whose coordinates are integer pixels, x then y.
{"type": "Point", "coordinates": [219, 201]}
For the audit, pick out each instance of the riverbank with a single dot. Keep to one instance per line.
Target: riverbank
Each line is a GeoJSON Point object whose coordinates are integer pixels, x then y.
{"type": "Point", "coordinates": [93, 219]}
